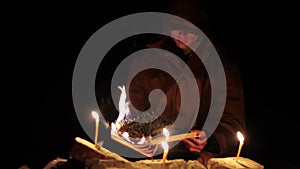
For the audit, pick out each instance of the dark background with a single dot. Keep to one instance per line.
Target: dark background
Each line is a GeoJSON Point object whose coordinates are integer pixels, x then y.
{"type": "Point", "coordinates": [42, 43]}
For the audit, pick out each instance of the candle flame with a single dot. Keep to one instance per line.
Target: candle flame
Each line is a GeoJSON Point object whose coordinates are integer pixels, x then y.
{"type": "Point", "coordinates": [95, 115]}
{"type": "Point", "coordinates": [165, 145]}
{"type": "Point", "coordinates": [166, 133]}
{"type": "Point", "coordinates": [240, 136]}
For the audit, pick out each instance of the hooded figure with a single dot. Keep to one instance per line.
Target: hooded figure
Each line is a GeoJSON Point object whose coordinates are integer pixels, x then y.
{"type": "Point", "coordinates": [179, 104]}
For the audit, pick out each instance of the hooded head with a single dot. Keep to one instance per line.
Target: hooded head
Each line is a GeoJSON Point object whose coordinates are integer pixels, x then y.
{"type": "Point", "coordinates": [184, 33]}
{"type": "Point", "coordinates": [188, 32]}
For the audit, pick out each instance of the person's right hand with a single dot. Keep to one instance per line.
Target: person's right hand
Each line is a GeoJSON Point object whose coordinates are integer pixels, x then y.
{"type": "Point", "coordinates": [196, 145]}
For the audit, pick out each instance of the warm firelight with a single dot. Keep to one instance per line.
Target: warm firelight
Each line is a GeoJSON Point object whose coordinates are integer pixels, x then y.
{"type": "Point", "coordinates": [96, 117]}
{"type": "Point", "coordinates": [241, 139]}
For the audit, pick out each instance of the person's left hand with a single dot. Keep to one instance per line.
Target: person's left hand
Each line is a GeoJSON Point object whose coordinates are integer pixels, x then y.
{"type": "Point", "coordinates": [196, 145]}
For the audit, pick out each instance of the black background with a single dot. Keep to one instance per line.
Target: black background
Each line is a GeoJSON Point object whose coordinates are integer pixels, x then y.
{"type": "Point", "coordinates": [42, 42]}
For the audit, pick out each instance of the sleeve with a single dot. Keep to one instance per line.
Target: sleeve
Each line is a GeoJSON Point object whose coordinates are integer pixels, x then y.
{"type": "Point", "coordinates": [233, 118]}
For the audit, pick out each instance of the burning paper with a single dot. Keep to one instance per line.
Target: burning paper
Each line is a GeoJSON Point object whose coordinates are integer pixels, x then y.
{"type": "Point", "coordinates": [142, 137]}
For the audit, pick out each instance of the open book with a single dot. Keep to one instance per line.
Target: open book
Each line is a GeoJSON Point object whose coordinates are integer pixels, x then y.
{"type": "Point", "coordinates": [148, 146]}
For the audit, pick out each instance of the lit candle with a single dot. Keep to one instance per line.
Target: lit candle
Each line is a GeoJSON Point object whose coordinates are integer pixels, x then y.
{"type": "Point", "coordinates": [96, 116]}
{"type": "Point", "coordinates": [166, 133]}
{"type": "Point", "coordinates": [165, 146]}
{"type": "Point", "coordinates": [241, 138]}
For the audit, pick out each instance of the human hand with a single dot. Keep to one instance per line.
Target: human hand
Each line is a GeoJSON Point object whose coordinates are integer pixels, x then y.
{"type": "Point", "coordinates": [195, 145]}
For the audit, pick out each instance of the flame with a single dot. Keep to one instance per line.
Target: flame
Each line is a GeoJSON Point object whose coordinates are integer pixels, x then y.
{"type": "Point", "coordinates": [113, 128]}
{"type": "Point", "coordinates": [123, 112]}
{"type": "Point", "coordinates": [95, 115]}
{"type": "Point", "coordinates": [126, 136]}
{"type": "Point", "coordinates": [123, 106]}
{"type": "Point", "coordinates": [165, 145]}
{"type": "Point", "coordinates": [240, 136]}
{"type": "Point", "coordinates": [142, 141]}
{"type": "Point", "coordinates": [166, 133]}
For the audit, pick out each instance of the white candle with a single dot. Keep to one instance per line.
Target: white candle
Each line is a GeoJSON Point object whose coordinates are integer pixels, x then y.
{"type": "Point", "coordinates": [96, 116]}
{"type": "Point", "coordinates": [165, 146]}
{"type": "Point", "coordinates": [241, 139]}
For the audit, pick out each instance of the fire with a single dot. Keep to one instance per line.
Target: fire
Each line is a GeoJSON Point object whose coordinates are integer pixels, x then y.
{"type": "Point", "coordinates": [142, 141]}
{"type": "Point", "coordinates": [123, 110]}
{"type": "Point", "coordinates": [123, 105]}
{"type": "Point", "coordinates": [165, 145]}
{"type": "Point", "coordinates": [240, 136]}
{"type": "Point", "coordinates": [95, 115]}
{"type": "Point", "coordinates": [113, 128]}
{"type": "Point", "coordinates": [123, 113]}
{"type": "Point", "coordinates": [166, 133]}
